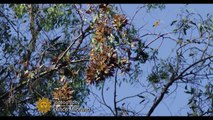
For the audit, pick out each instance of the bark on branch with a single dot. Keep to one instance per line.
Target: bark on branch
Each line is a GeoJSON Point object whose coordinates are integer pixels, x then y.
{"type": "Point", "coordinates": [171, 81]}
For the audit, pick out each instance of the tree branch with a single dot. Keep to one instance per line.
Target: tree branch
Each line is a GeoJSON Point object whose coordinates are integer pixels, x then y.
{"type": "Point", "coordinates": [102, 95]}
{"type": "Point", "coordinates": [11, 23]}
{"type": "Point", "coordinates": [115, 91]}
{"type": "Point", "coordinates": [25, 82]}
{"type": "Point", "coordinates": [155, 104]}
{"type": "Point", "coordinates": [62, 55]}
{"type": "Point", "coordinates": [171, 81]}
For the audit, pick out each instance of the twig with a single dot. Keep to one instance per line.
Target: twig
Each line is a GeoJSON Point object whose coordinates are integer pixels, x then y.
{"type": "Point", "coordinates": [36, 77]}
{"type": "Point", "coordinates": [24, 83]}
{"type": "Point", "coordinates": [115, 91]}
{"type": "Point", "coordinates": [102, 95]}
{"type": "Point", "coordinates": [159, 36]}
{"type": "Point", "coordinates": [132, 96]}
{"type": "Point", "coordinates": [62, 55]}
{"type": "Point", "coordinates": [136, 13]}
{"type": "Point", "coordinates": [12, 24]}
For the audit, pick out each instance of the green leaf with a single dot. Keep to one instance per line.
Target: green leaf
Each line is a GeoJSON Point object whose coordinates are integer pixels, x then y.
{"type": "Point", "coordinates": [173, 22]}
{"type": "Point", "coordinates": [201, 30]}
{"type": "Point", "coordinates": [186, 87]}
{"type": "Point", "coordinates": [190, 101]}
{"type": "Point", "coordinates": [142, 101]}
{"type": "Point", "coordinates": [117, 40]}
{"type": "Point", "coordinates": [107, 89]}
{"type": "Point", "coordinates": [184, 30]}
{"type": "Point", "coordinates": [192, 23]}
{"type": "Point", "coordinates": [119, 84]}
{"type": "Point", "coordinates": [191, 91]}
{"type": "Point", "coordinates": [140, 96]}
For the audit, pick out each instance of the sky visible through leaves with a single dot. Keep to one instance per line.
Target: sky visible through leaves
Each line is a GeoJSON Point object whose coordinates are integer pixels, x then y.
{"type": "Point", "coordinates": [172, 105]}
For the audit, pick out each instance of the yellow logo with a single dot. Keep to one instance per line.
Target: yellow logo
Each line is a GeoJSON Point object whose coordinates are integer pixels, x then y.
{"type": "Point", "coordinates": [43, 105]}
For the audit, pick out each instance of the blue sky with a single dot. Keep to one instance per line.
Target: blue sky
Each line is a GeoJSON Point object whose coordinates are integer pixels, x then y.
{"type": "Point", "coordinates": [175, 104]}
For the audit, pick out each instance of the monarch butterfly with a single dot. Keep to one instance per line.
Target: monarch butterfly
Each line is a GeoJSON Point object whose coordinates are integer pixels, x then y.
{"type": "Point", "coordinates": [156, 23]}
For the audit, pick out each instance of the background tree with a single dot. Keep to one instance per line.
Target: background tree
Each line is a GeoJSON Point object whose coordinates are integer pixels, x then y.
{"type": "Point", "coordinates": [93, 49]}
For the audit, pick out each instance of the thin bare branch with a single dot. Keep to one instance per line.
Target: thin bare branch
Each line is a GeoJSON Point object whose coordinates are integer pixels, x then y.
{"type": "Point", "coordinates": [102, 96]}
{"type": "Point", "coordinates": [115, 93]}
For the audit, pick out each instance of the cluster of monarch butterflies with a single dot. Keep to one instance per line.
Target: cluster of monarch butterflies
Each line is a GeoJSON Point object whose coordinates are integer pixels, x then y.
{"type": "Point", "coordinates": [64, 93]}
{"type": "Point", "coordinates": [119, 21]}
{"type": "Point", "coordinates": [103, 56]}
{"type": "Point", "coordinates": [102, 64]}
{"type": "Point", "coordinates": [103, 60]}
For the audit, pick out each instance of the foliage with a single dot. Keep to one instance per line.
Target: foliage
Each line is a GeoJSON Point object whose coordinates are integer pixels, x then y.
{"type": "Point", "coordinates": [65, 51]}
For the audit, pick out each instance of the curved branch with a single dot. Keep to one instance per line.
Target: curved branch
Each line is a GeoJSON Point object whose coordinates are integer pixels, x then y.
{"type": "Point", "coordinates": [102, 95]}
{"type": "Point", "coordinates": [62, 55]}
{"type": "Point", "coordinates": [115, 91]}
{"type": "Point", "coordinates": [171, 81]}
{"type": "Point", "coordinates": [25, 82]}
